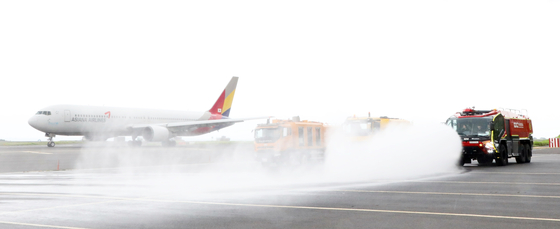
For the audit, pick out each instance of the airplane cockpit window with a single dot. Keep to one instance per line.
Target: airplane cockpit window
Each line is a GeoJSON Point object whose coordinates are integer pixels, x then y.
{"type": "Point", "coordinates": [43, 113]}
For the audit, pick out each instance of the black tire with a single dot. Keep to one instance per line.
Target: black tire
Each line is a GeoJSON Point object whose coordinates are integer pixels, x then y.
{"type": "Point", "coordinates": [50, 144]}
{"type": "Point", "coordinates": [529, 153]}
{"type": "Point", "coordinates": [461, 161]}
{"type": "Point", "coordinates": [522, 156]}
{"type": "Point", "coordinates": [502, 159]}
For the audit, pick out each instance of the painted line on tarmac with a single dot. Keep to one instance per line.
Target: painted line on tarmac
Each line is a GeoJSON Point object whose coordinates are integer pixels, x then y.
{"type": "Point", "coordinates": [17, 152]}
{"type": "Point", "coordinates": [307, 207]}
{"type": "Point", "coordinates": [39, 225]}
{"type": "Point", "coordinates": [36, 152]}
{"type": "Point", "coordinates": [359, 210]}
{"type": "Point", "coordinates": [477, 182]}
{"type": "Point", "coordinates": [132, 167]}
{"type": "Point", "coordinates": [450, 193]}
{"type": "Point", "coordinates": [61, 206]}
{"type": "Point", "coordinates": [516, 173]}
{"type": "Point", "coordinates": [155, 166]}
{"type": "Point", "coordinates": [545, 155]}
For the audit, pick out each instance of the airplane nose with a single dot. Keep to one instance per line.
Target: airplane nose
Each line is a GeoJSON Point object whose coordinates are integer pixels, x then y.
{"type": "Point", "coordinates": [33, 122]}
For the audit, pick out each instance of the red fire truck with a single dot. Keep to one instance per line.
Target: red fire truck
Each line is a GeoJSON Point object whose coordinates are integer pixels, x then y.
{"type": "Point", "coordinates": [489, 135]}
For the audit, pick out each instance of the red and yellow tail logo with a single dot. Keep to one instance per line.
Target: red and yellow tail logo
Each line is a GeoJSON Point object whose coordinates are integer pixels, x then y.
{"type": "Point", "coordinates": [223, 104]}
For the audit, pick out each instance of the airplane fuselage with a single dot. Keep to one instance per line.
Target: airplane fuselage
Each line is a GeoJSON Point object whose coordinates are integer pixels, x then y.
{"type": "Point", "coordinates": [101, 123]}
{"type": "Point", "coordinates": [105, 122]}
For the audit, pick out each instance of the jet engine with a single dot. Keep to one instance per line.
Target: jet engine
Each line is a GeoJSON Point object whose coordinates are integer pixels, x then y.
{"type": "Point", "coordinates": [156, 134]}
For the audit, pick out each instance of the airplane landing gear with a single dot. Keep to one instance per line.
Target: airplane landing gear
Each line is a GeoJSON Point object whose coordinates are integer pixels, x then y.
{"type": "Point", "coordinates": [51, 142]}
{"type": "Point", "coordinates": [135, 142]}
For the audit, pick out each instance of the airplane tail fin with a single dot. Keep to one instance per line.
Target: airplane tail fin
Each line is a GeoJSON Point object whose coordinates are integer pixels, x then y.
{"type": "Point", "coordinates": [223, 104]}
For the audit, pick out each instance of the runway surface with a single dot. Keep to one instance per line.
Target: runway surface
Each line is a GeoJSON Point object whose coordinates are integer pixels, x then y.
{"type": "Point", "coordinates": [221, 187]}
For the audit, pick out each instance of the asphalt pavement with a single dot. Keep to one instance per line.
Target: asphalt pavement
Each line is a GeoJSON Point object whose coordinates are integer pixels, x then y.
{"type": "Point", "coordinates": [221, 187]}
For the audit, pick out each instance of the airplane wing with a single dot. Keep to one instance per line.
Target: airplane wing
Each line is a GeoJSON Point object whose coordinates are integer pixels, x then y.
{"type": "Point", "coordinates": [181, 126]}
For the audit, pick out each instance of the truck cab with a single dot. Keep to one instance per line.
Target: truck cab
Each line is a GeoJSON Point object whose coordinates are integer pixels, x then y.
{"type": "Point", "coordinates": [289, 141]}
{"type": "Point", "coordinates": [362, 128]}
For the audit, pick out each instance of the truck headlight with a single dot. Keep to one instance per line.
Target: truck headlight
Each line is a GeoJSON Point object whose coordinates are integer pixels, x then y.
{"type": "Point", "coordinates": [489, 147]}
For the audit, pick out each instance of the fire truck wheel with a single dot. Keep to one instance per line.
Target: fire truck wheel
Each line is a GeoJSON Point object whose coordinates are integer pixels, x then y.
{"type": "Point", "coordinates": [461, 161]}
{"type": "Point", "coordinates": [529, 153]}
{"type": "Point", "coordinates": [503, 160]}
{"type": "Point", "coordinates": [523, 154]}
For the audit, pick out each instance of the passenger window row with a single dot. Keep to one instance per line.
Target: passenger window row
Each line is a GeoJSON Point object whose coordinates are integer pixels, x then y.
{"type": "Point", "coordinates": [92, 116]}
{"type": "Point", "coordinates": [116, 116]}
{"type": "Point", "coordinates": [124, 117]}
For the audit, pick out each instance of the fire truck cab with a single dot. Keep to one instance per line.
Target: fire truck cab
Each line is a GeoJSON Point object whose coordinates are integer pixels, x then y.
{"type": "Point", "coordinates": [290, 142]}
{"type": "Point", "coordinates": [489, 135]}
{"type": "Point", "coordinates": [360, 128]}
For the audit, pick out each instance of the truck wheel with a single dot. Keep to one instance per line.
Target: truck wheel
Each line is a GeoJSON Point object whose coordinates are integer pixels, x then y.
{"type": "Point", "coordinates": [529, 153]}
{"type": "Point", "coordinates": [502, 160]}
{"type": "Point", "coordinates": [461, 161]}
{"type": "Point", "coordinates": [521, 158]}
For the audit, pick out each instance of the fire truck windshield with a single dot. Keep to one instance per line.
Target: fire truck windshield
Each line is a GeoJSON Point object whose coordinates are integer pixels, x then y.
{"type": "Point", "coordinates": [472, 126]}
{"type": "Point", "coordinates": [357, 128]}
{"type": "Point", "coordinates": [263, 135]}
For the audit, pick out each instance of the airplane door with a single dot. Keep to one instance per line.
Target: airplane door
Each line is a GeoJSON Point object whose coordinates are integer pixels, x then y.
{"type": "Point", "coordinates": [67, 117]}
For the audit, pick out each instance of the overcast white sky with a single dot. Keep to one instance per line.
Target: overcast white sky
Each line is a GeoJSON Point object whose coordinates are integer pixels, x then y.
{"type": "Point", "coordinates": [321, 60]}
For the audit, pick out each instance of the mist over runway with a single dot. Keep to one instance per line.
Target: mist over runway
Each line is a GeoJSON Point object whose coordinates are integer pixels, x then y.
{"type": "Point", "coordinates": [229, 190]}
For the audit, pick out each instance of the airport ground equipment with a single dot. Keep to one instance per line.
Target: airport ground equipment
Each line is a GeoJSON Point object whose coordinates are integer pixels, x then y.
{"type": "Point", "coordinates": [361, 128]}
{"type": "Point", "coordinates": [496, 134]}
{"type": "Point", "coordinates": [291, 141]}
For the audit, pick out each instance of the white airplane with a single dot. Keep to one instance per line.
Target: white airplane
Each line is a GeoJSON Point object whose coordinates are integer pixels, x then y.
{"type": "Point", "coordinates": [100, 123]}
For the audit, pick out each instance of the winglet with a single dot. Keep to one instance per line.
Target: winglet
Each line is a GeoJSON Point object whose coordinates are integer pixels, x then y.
{"type": "Point", "coordinates": [223, 104]}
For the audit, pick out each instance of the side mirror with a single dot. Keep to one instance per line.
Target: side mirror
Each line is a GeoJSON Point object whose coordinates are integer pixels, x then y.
{"type": "Point", "coordinates": [492, 126]}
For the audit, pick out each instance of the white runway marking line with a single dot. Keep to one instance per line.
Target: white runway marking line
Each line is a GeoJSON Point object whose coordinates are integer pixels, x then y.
{"type": "Point", "coordinates": [39, 225]}
{"type": "Point", "coordinates": [154, 166]}
{"type": "Point", "coordinates": [451, 193]}
{"type": "Point", "coordinates": [362, 210]}
{"type": "Point", "coordinates": [518, 173]}
{"type": "Point", "coordinates": [37, 152]}
{"type": "Point", "coordinates": [545, 155]}
{"type": "Point", "coordinates": [301, 207]}
{"type": "Point", "coordinates": [479, 182]}
{"type": "Point", "coordinates": [62, 206]}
